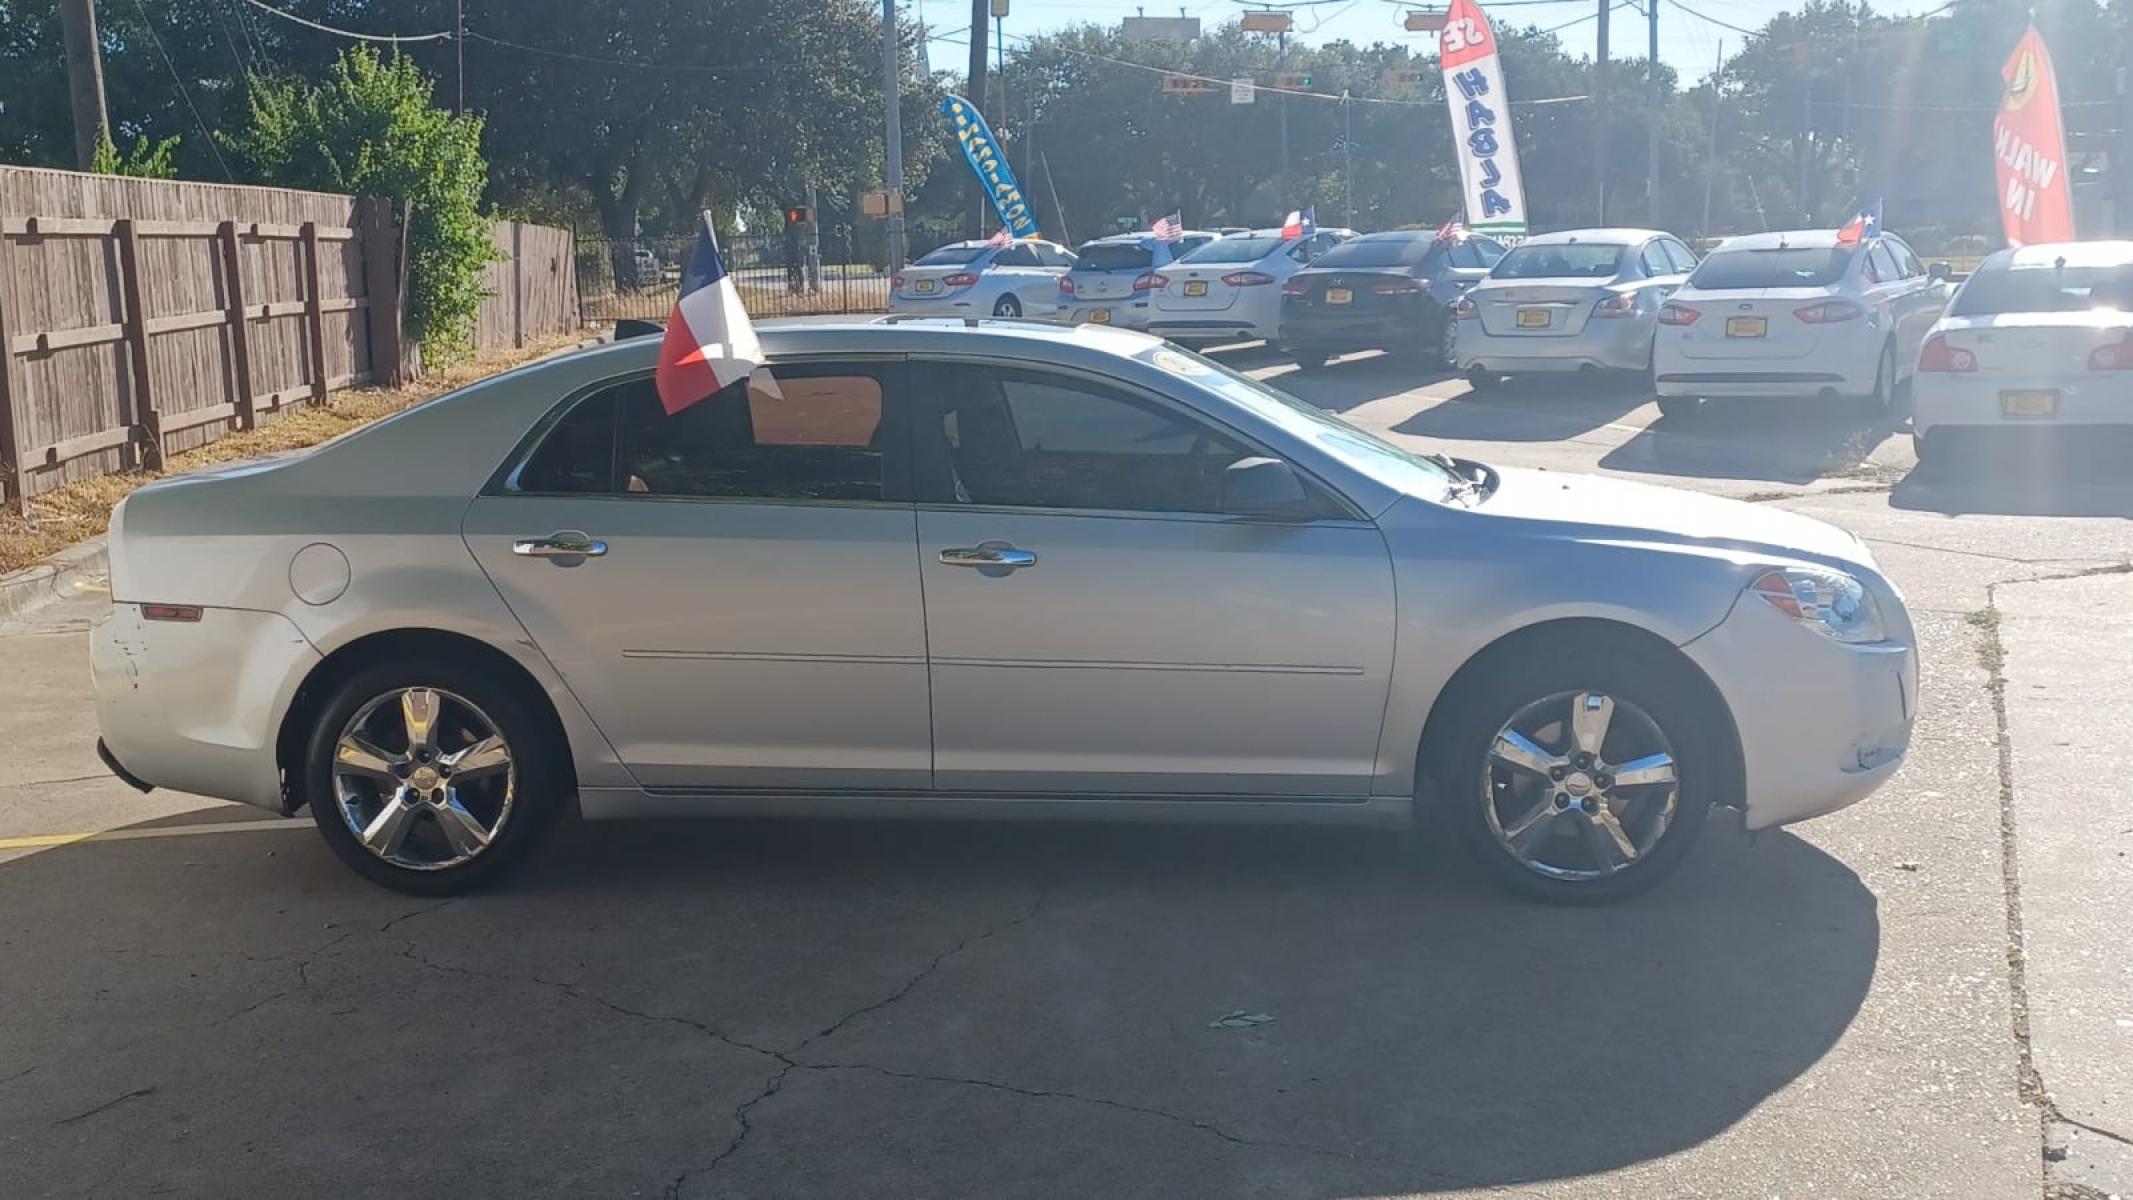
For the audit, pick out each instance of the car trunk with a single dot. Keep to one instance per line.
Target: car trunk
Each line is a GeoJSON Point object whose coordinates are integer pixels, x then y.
{"type": "Point", "coordinates": [931, 283]}
{"type": "Point", "coordinates": [1753, 323]}
{"type": "Point", "coordinates": [1213, 295]}
{"type": "Point", "coordinates": [1539, 308]}
{"type": "Point", "coordinates": [1106, 271]}
{"type": "Point", "coordinates": [2037, 347]}
{"type": "Point", "coordinates": [1334, 293]}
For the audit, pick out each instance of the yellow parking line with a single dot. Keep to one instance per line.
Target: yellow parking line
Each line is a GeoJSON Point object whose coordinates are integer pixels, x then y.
{"type": "Point", "coordinates": [38, 840]}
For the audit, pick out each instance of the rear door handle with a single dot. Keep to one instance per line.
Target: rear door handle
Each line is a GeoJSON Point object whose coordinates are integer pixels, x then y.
{"type": "Point", "coordinates": [564, 543]}
{"type": "Point", "coordinates": [988, 556]}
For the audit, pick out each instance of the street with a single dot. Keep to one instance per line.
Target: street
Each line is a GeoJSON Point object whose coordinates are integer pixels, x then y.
{"type": "Point", "coordinates": [1927, 994]}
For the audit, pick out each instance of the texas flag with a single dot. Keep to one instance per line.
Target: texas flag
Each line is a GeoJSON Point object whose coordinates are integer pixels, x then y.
{"type": "Point", "coordinates": [1866, 225]}
{"type": "Point", "coordinates": [1302, 223]}
{"type": "Point", "coordinates": [710, 343]}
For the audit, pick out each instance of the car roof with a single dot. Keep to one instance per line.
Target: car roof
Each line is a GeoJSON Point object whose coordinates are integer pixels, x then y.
{"type": "Point", "coordinates": [2074, 254]}
{"type": "Point", "coordinates": [1610, 236]}
{"type": "Point", "coordinates": [1797, 239]}
{"type": "Point", "coordinates": [895, 335]}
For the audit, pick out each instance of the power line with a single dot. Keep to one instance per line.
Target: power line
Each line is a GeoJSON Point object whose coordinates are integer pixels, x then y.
{"type": "Point", "coordinates": [638, 64]}
{"type": "Point", "coordinates": [183, 91]}
{"type": "Point", "coordinates": [395, 38]}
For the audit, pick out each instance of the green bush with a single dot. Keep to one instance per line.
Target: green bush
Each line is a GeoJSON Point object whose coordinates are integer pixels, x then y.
{"type": "Point", "coordinates": [371, 130]}
{"type": "Point", "coordinates": [156, 161]}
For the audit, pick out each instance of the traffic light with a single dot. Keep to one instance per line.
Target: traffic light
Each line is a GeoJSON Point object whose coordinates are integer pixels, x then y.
{"type": "Point", "coordinates": [1293, 80]}
{"type": "Point", "coordinates": [798, 215]}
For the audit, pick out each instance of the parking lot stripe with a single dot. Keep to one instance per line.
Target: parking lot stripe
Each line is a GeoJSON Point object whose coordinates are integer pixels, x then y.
{"type": "Point", "coordinates": [35, 840]}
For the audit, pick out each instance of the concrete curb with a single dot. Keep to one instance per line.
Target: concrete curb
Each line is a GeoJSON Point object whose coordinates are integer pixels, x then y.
{"type": "Point", "coordinates": [84, 567]}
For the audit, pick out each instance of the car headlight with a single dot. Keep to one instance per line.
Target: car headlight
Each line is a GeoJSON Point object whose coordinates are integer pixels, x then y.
{"type": "Point", "coordinates": [1831, 603]}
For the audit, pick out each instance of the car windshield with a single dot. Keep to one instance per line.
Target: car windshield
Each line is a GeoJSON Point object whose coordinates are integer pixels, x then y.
{"type": "Point", "coordinates": [2045, 290]}
{"type": "Point", "coordinates": [1400, 469]}
{"type": "Point", "coordinates": [1377, 252]}
{"type": "Point", "coordinates": [1114, 256]}
{"type": "Point", "coordinates": [1234, 250]}
{"type": "Point", "coordinates": [1579, 260]}
{"type": "Point", "coordinates": [949, 256]}
{"type": "Point", "coordinates": [1785, 267]}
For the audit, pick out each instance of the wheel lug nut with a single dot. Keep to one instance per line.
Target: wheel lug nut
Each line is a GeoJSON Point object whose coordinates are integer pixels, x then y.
{"type": "Point", "coordinates": [1562, 799]}
{"type": "Point", "coordinates": [1603, 782]}
{"type": "Point", "coordinates": [1557, 772]}
{"type": "Point", "coordinates": [1590, 805]}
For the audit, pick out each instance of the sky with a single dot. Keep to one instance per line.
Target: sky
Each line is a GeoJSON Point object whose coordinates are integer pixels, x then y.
{"type": "Point", "coordinates": [1689, 44]}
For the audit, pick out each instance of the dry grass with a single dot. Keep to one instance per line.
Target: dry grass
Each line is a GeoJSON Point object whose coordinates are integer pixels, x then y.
{"type": "Point", "coordinates": [78, 511]}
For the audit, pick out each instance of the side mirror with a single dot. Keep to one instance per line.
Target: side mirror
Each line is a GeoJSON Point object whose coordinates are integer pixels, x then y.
{"type": "Point", "coordinates": [1940, 272]}
{"type": "Point", "coordinates": [1263, 487]}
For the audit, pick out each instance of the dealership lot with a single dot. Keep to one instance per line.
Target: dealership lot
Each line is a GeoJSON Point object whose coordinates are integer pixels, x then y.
{"type": "Point", "coordinates": [1915, 996]}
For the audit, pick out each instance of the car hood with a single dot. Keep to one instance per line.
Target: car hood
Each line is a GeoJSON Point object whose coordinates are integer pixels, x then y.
{"type": "Point", "coordinates": [1591, 507]}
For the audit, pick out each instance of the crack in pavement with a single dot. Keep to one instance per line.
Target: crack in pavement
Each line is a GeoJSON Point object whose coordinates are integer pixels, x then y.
{"type": "Point", "coordinates": [106, 1106]}
{"type": "Point", "coordinates": [1036, 906]}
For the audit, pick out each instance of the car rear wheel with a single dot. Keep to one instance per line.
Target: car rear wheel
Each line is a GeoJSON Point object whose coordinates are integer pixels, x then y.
{"type": "Point", "coordinates": [1579, 774]}
{"type": "Point", "coordinates": [1677, 407]}
{"type": "Point", "coordinates": [1448, 345]}
{"type": "Point", "coordinates": [1483, 381]}
{"type": "Point", "coordinates": [430, 777]}
{"type": "Point", "coordinates": [1007, 306]}
{"type": "Point", "coordinates": [1929, 447]}
{"type": "Point", "coordinates": [1882, 398]}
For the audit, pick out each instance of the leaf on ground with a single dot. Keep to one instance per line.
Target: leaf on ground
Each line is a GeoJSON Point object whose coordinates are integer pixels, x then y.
{"type": "Point", "coordinates": [1240, 1019]}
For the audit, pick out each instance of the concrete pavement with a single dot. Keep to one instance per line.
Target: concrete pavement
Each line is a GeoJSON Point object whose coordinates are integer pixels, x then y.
{"type": "Point", "coordinates": [1870, 1004]}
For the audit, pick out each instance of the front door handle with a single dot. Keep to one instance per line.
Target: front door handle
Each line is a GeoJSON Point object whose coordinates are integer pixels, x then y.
{"type": "Point", "coordinates": [988, 556]}
{"type": "Point", "coordinates": [564, 543]}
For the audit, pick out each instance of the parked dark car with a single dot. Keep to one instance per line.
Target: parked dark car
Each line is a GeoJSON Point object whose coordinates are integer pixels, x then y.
{"type": "Point", "coordinates": [1382, 291]}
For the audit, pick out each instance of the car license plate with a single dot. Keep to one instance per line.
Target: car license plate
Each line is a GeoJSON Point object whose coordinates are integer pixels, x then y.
{"type": "Point", "coordinates": [2029, 404]}
{"type": "Point", "coordinates": [923, 286]}
{"type": "Point", "coordinates": [1747, 326]}
{"type": "Point", "coordinates": [1339, 296]}
{"type": "Point", "coordinates": [1532, 318]}
{"type": "Point", "coordinates": [1196, 287]}
{"type": "Point", "coordinates": [1099, 316]}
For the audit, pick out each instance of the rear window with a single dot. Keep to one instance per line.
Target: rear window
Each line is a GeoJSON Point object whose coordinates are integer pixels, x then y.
{"type": "Point", "coordinates": [2045, 290]}
{"type": "Point", "coordinates": [1583, 260]}
{"type": "Point", "coordinates": [1377, 252]}
{"type": "Point", "coordinates": [1794, 267]}
{"type": "Point", "coordinates": [949, 256]}
{"type": "Point", "coordinates": [1113, 256]}
{"type": "Point", "coordinates": [1234, 250]}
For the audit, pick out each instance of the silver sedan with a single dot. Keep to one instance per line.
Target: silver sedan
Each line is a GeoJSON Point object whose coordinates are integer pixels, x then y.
{"type": "Point", "coordinates": [1581, 300]}
{"type": "Point", "coordinates": [1003, 569]}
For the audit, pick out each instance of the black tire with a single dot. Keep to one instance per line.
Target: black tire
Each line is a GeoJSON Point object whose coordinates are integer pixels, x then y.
{"type": "Point", "coordinates": [1309, 360]}
{"type": "Point", "coordinates": [538, 785]}
{"type": "Point", "coordinates": [1448, 344]}
{"type": "Point", "coordinates": [1876, 404]}
{"type": "Point", "coordinates": [1654, 686]}
{"type": "Point", "coordinates": [1483, 381]}
{"type": "Point", "coordinates": [1929, 447]}
{"type": "Point", "coordinates": [1675, 408]}
{"type": "Point", "coordinates": [1007, 306]}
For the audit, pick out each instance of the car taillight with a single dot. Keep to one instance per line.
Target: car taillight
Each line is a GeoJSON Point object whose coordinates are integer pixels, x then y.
{"type": "Point", "coordinates": [1296, 287]}
{"type": "Point", "coordinates": [1465, 309]}
{"type": "Point", "coordinates": [1397, 287]}
{"type": "Point", "coordinates": [1829, 312]}
{"type": "Point", "coordinates": [1940, 357]}
{"type": "Point", "coordinates": [960, 279]}
{"type": "Point", "coordinates": [1620, 305]}
{"type": "Point", "coordinates": [1247, 278]}
{"type": "Point", "coordinates": [2117, 357]}
{"type": "Point", "coordinates": [1151, 282]}
{"type": "Point", "coordinates": [896, 281]}
{"type": "Point", "coordinates": [1679, 314]}
{"type": "Point", "coordinates": [1066, 285]}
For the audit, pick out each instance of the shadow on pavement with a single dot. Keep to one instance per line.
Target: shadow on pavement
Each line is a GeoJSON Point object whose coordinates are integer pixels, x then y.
{"type": "Point", "coordinates": [899, 1009]}
{"type": "Point", "coordinates": [2026, 473]}
{"type": "Point", "coordinates": [1786, 441]}
{"type": "Point", "coordinates": [1356, 379]}
{"type": "Point", "coordinates": [1529, 410]}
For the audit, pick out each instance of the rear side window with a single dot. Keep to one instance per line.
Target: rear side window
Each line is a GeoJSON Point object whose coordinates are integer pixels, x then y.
{"type": "Point", "coordinates": [1114, 256]}
{"type": "Point", "coordinates": [818, 437]}
{"type": "Point", "coordinates": [1052, 256]}
{"type": "Point", "coordinates": [1882, 264]}
{"type": "Point", "coordinates": [1684, 259]}
{"type": "Point", "coordinates": [1016, 256]}
{"type": "Point", "coordinates": [1796, 266]}
{"type": "Point", "coordinates": [1656, 262]}
{"type": "Point", "coordinates": [2045, 290]}
{"type": "Point", "coordinates": [1581, 260]}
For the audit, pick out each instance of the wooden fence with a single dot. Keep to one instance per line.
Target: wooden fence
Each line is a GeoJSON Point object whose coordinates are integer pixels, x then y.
{"type": "Point", "coordinates": [142, 317]}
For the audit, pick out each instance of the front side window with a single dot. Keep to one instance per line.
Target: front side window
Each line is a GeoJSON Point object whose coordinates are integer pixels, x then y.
{"type": "Point", "coordinates": [1031, 439]}
{"type": "Point", "coordinates": [1882, 265]}
{"type": "Point", "coordinates": [818, 436]}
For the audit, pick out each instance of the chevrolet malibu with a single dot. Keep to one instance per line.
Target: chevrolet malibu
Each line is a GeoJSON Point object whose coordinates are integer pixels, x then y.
{"type": "Point", "coordinates": [961, 568]}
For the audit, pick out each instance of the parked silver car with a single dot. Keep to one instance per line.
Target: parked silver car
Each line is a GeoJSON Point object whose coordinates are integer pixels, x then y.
{"type": "Point", "coordinates": [1580, 300]}
{"type": "Point", "coordinates": [1007, 568]}
{"type": "Point", "coordinates": [977, 279]}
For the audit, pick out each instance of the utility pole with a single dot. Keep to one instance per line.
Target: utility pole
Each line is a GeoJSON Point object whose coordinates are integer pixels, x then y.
{"type": "Point", "coordinates": [2122, 158]}
{"type": "Point", "coordinates": [1281, 101]}
{"type": "Point", "coordinates": [1599, 114]}
{"type": "Point", "coordinates": [893, 117]}
{"type": "Point", "coordinates": [1347, 158]}
{"type": "Point", "coordinates": [1655, 103]}
{"type": "Point", "coordinates": [1710, 157]}
{"type": "Point", "coordinates": [85, 79]}
{"type": "Point", "coordinates": [980, 14]}
{"type": "Point", "coordinates": [1807, 151]}
{"type": "Point", "coordinates": [459, 55]}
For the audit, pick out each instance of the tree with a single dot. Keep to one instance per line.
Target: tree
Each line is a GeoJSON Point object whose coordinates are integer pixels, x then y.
{"type": "Point", "coordinates": [371, 129]}
{"type": "Point", "coordinates": [144, 162]}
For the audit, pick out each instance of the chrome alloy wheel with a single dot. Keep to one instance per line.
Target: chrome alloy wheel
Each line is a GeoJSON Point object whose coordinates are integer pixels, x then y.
{"type": "Point", "coordinates": [423, 778]}
{"type": "Point", "coordinates": [1579, 785]}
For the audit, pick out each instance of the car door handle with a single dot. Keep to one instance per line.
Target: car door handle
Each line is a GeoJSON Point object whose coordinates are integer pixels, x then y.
{"type": "Point", "coordinates": [564, 543]}
{"type": "Point", "coordinates": [988, 556]}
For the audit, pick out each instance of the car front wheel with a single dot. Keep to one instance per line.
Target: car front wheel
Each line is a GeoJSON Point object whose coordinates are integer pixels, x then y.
{"type": "Point", "coordinates": [430, 777]}
{"type": "Point", "coordinates": [1007, 306]}
{"type": "Point", "coordinates": [1579, 775]}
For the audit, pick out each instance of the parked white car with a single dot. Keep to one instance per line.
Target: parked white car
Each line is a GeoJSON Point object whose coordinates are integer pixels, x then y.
{"type": "Point", "coordinates": [1797, 314]}
{"type": "Point", "coordinates": [2042, 335]}
{"type": "Point", "coordinates": [1580, 300]}
{"type": "Point", "coordinates": [1230, 289]}
{"type": "Point", "coordinates": [978, 279]}
{"type": "Point", "coordinates": [1112, 277]}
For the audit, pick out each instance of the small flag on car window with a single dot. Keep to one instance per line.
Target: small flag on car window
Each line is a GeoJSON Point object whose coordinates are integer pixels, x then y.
{"type": "Point", "coordinates": [710, 343]}
{"type": "Point", "coordinates": [1302, 223]}
{"type": "Point", "coordinates": [1170, 228]}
